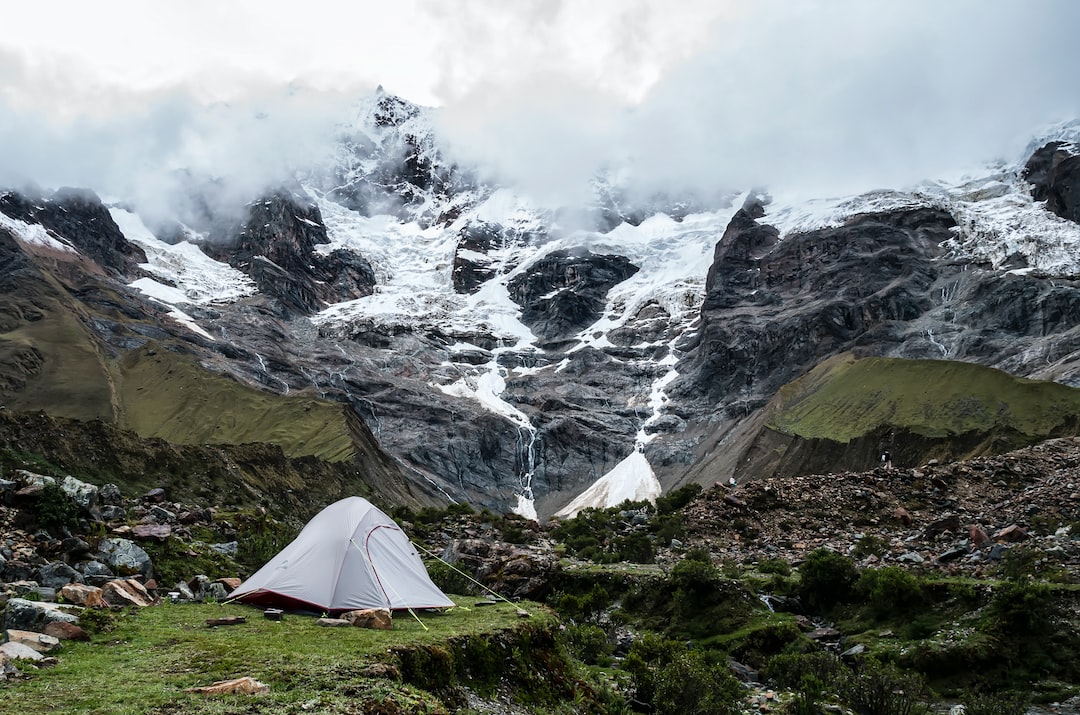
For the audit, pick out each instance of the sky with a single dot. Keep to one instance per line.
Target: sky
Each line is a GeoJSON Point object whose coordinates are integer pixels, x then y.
{"type": "Point", "coordinates": [681, 95]}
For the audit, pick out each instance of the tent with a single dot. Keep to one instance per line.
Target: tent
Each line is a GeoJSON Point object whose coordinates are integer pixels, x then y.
{"type": "Point", "coordinates": [349, 556]}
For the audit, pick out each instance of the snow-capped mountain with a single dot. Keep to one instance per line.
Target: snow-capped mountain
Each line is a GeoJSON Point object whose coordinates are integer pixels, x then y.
{"type": "Point", "coordinates": [518, 356]}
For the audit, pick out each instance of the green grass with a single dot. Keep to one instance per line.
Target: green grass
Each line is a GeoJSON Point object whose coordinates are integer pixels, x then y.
{"type": "Point", "coordinates": [845, 398]}
{"type": "Point", "coordinates": [172, 397]}
{"type": "Point", "coordinates": [146, 662]}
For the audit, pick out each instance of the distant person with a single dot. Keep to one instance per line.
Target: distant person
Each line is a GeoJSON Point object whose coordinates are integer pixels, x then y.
{"type": "Point", "coordinates": [886, 459]}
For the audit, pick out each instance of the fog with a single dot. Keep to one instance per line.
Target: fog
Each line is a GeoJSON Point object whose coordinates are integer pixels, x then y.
{"type": "Point", "coordinates": [811, 97]}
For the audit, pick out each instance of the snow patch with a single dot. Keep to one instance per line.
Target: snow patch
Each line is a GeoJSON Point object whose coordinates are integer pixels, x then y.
{"type": "Point", "coordinates": [34, 234]}
{"type": "Point", "coordinates": [631, 479]}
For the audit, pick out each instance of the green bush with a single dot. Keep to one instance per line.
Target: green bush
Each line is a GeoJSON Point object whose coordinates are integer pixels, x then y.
{"type": "Point", "coordinates": [1022, 607]}
{"type": "Point", "coordinates": [889, 591]}
{"type": "Point", "coordinates": [450, 580]}
{"type": "Point", "coordinates": [882, 689]}
{"type": "Point", "coordinates": [55, 509]}
{"type": "Point", "coordinates": [827, 578]}
{"type": "Point", "coordinates": [677, 499]}
{"type": "Point", "coordinates": [584, 608]}
{"type": "Point", "coordinates": [588, 643]}
{"type": "Point", "coordinates": [788, 670]}
{"type": "Point", "coordinates": [775, 566]}
{"type": "Point", "coordinates": [870, 546]}
{"type": "Point", "coordinates": [675, 680]}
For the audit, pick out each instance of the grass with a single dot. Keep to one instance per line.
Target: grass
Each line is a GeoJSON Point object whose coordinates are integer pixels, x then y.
{"type": "Point", "coordinates": [845, 398]}
{"type": "Point", "coordinates": [146, 662]}
{"type": "Point", "coordinates": [170, 396]}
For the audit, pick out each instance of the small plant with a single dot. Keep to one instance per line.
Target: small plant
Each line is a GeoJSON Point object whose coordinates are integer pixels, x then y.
{"type": "Point", "coordinates": [588, 643]}
{"type": "Point", "coordinates": [789, 670]}
{"type": "Point", "coordinates": [775, 566]}
{"type": "Point", "coordinates": [1022, 607]}
{"type": "Point", "coordinates": [870, 545]}
{"type": "Point", "coordinates": [55, 509]}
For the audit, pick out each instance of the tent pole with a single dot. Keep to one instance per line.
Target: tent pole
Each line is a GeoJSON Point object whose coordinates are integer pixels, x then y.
{"type": "Point", "coordinates": [398, 595]}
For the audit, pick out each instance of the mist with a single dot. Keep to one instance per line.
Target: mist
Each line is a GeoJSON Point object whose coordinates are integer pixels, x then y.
{"type": "Point", "coordinates": [812, 98]}
{"type": "Point", "coordinates": [808, 98]}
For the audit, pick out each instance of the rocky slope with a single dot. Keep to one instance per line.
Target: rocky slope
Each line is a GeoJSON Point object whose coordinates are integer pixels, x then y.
{"type": "Point", "coordinates": [510, 356]}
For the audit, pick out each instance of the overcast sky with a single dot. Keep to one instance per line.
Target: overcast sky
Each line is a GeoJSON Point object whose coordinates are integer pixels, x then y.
{"type": "Point", "coordinates": [707, 95]}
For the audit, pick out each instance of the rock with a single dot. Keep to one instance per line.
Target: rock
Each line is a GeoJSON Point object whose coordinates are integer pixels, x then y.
{"type": "Point", "coordinates": [940, 526]}
{"type": "Point", "coordinates": [977, 535]}
{"type": "Point", "coordinates": [161, 532]}
{"type": "Point", "coordinates": [65, 631]}
{"type": "Point", "coordinates": [83, 494]}
{"type": "Point", "coordinates": [854, 651]}
{"type": "Point", "coordinates": [109, 494]}
{"type": "Point", "coordinates": [113, 513]}
{"type": "Point", "coordinates": [125, 557]}
{"type": "Point", "coordinates": [911, 557]}
{"type": "Point", "coordinates": [376, 618]}
{"type": "Point", "coordinates": [32, 479]}
{"type": "Point", "coordinates": [1054, 174]}
{"type": "Point", "coordinates": [57, 575]}
{"type": "Point", "coordinates": [96, 573]}
{"type": "Point", "coordinates": [83, 595]}
{"type": "Point", "coordinates": [15, 571]}
{"type": "Point", "coordinates": [238, 686]}
{"type": "Point", "coordinates": [160, 515]}
{"type": "Point", "coordinates": [953, 554]}
{"type": "Point", "coordinates": [824, 633]}
{"type": "Point", "coordinates": [25, 615]}
{"type": "Point", "coordinates": [227, 549]}
{"type": "Point", "coordinates": [231, 584]}
{"type": "Point", "coordinates": [75, 547]}
{"type": "Point", "coordinates": [333, 623]}
{"type": "Point", "coordinates": [126, 592]}
{"type": "Point", "coordinates": [19, 651]}
{"type": "Point", "coordinates": [154, 496]}
{"type": "Point", "coordinates": [38, 641]}
{"type": "Point", "coordinates": [1011, 533]}
{"type": "Point", "coordinates": [901, 514]}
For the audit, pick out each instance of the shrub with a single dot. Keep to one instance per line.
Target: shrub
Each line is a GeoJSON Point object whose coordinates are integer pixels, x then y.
{"type": "Point", "coordinates": [450, 580]}
{"type": "Point", "coordinates": [55, 509]}
{"type": "Point", "coordinates": [775, 566]}
{"type": "Point", "coordinates": [827, 578]}
{"type": "Point", "coordinates": [588, 643]}
{"type": "Point", "coordinates": [870, 546]}
{"type": "Point", "coordinates": [585, 608]}
{"type": "Point", "coordinates": [882, 689]}
{"type": "Point", "coordinates": [889, 591]}
{"type": "Point", "coordinates": [675, 680]}
{"type": "Point", "coordinates": [1022, 607]}
{"type": "Point", "coordinates": [789, 670]}
{"type": "Point", "coordinates": [677, 499]}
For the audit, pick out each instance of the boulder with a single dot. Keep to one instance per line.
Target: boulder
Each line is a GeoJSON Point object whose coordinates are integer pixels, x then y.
{"type": "Point", "coordinates": [1011, 533]}
{"type": "Point", "coordinates": [25, 615]}
{"type": "Point", "coordinates": [32, 479]}
{"type": "Point", "coordinates": [377, 618]}
{"type": "Point", "coordinates": [57, 575]}
{"type": "Point", "coordinates": [96, 573]}
{"type": "Point", "coordinates": [75, 547]}
{"type": "Point", "coordinates": [113, 513]}
{"type": "Point", "coordinates": [154, 496]}
{"type": "Point", "coordinates": [125, 557]}
{"type": "Point", "coordinates": [38, 641]}
{"type": "Point", "coordinates": [66, 631]}
{"type": "Point", "coordinates": [226, 549]}
{"type": "Point", "coordinates": [940, 526]}
{"type": "Point", "coordinates": [161, 532]}
{"type": "Point", "coordinates": [19, 651]}
{"type": "Point", "coordinates": [83, 494]}
{"type": "Point", "coordinates": [83, 595]}
{"type": "Point", "coordinates": [977, 535]}
{"type": "Point", "coordinates": [109, 494]}
{"type": "Point", "coordinates": [237, 686]}
{"type": "Point", "coordinates": [126, 592]}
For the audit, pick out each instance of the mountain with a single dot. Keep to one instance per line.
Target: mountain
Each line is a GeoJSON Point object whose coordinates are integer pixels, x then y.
{"type": "Point", "coordinates": [390, 305]}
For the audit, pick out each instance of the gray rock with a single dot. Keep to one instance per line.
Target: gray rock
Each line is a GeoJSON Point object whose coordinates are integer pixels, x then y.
{"type": "Point", "coordinates": [32, 479]}
{"type": "Point", "coordinates": [57, 575]}
{"type": "Point", "coordinates": [126, 557]}
{"type": "Point", "coordinates": [853, 651]}
{"type": "Point", "coordinates": [227, 549]}
{"type": "Point", "coordinates": [113, 513]}
{"type": "Point", "coordinates": [910, 557]}
{"type": "Point", "coordinates": [25, 615]}
{"type": "Point", "coordinates": [216, 592]}
{"type": "Point", "coordinates": [162, 515]}
{"type": "Point", "coordinates": [109, 494]}
{"type": "Point", "coordinates": [17, 571]}
{"type": "Point", "coordinates": [20, 651]}
{"type": "Point", "coordinates": [83, 494]}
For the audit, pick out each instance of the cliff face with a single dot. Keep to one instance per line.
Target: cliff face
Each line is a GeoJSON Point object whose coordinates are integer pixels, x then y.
{"type": "Point", "coordinates": [500, 357]}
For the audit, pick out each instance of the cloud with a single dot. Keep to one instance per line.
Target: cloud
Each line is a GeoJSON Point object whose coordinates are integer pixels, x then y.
{"type": "Point", "coordinates": [813, 97]}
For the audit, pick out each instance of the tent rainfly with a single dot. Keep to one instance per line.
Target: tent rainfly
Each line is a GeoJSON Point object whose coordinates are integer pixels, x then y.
{"type": "Point", "coordinates": [349, 556]}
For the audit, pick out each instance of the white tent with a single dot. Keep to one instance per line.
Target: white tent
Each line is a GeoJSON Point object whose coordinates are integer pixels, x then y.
{"type": "Point", "coordinates": [349, 556]}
